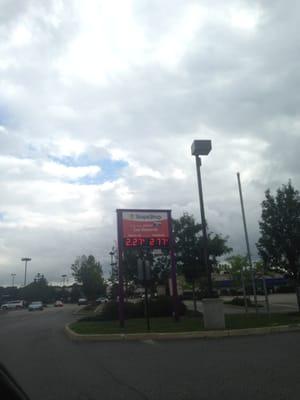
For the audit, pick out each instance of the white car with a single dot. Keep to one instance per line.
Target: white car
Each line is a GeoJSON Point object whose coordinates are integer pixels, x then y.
{"type": "Point", "coordinates": [13, 305]}
{"type": "Point", "coordinates": [101, 300]}
{"type": "Point", "coordinates": [35, 305]}
{"type": "Point", "coordinates": [82, 301]}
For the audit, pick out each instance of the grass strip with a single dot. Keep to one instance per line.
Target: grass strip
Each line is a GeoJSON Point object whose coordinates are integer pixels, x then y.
{"type": "Point", "coordinates": [186, 324]}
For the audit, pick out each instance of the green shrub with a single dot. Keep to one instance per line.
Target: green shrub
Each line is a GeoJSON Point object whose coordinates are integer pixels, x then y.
{"type": "Point", "coordinates": [163, 306]}
{"type": "Point", "coordinates": [285, 289]}
{"type": "Point", "coordinates": [131, 310]}
{"type": "Point", "coordinates": [89, 307]}
{"type": "Point", "coordinates": [239, 301]}
{"type": "Point", "coordinates": [159, 307]}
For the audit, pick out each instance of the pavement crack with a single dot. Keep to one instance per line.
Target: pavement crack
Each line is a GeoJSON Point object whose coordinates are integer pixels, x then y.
{"type": "Point", "coordinates": [123, 383]}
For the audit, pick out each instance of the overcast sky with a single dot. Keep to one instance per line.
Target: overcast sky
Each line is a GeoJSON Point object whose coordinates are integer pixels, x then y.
{"type": "Point", "coordinates": [101, 100]}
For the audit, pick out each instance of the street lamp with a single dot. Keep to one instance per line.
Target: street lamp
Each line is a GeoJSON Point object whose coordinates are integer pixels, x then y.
{"type": "Point", "coordinates": [13, 279]}
{"type": "Point", "coordinates": [112, 254]}
{"type": "Point", "coordinates": [64, 278]}
{"type": "Point", "coordinates": [203, 148]}
{"type": "Point", "coordinates": [26, 259]}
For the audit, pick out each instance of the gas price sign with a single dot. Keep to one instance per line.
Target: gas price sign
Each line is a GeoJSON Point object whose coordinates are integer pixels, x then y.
{"type": "Point", "coordinates": [143, 228]}
{"type": "Point", "coordinates": [146, 242]}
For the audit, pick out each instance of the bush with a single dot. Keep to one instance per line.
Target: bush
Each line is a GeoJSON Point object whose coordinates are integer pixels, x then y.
{"type": "Point", "coordinates": [203, 294]}
{"type": "Point", "coordinates": [159, 307]}
{"type": "Point", "coordinates": [285, 289]}
{"type": "Point", "coordinates": [89, 307]}
{"type": "Point", "coordinates": [239, 301]}
{"type": "Point", "coordinates": [224, 292]}
{"type": "Point", "coordinates": [163, 306]}
{"type": "Point", "coordinates": [131, 310]}
{"type": "Point", "coordinates": [187, 295]}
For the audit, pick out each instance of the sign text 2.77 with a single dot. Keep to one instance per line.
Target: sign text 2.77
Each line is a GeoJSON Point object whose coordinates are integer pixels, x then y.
{"type": "Point", "coordinates": [146, 242]}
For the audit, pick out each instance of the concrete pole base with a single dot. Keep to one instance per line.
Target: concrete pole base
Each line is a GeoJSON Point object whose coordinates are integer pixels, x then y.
{"type": "Point", "coordinates": [213, 314]}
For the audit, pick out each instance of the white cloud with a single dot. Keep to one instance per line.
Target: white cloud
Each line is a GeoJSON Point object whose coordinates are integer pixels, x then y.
{"type": "Point", "coordinates": [63, 171]}
{"type": "Point", "coordinates": [108, 41]}
{"type": "Point", "coordinates": [245, 18]}
{"type": "Point", "coordinates": [118, 91]}
{"type": "Point", "coordinates": [175, 43]}
{"type": "Point", "coordinates": [20, 36]}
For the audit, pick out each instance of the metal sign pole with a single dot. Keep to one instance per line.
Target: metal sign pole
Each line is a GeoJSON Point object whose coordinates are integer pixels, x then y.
{"type": "Point", "coordinates": [146, 294]}
{"type": "Point", "coordinates": [121, 273]}
{"type": "Point", "coordinates": [244, 290]}
{"type": "Point", "coordinates": [173, 268]}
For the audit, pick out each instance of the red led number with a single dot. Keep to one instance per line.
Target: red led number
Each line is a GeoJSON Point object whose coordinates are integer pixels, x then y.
{"type": "Point", "coordinates": [151, 242]}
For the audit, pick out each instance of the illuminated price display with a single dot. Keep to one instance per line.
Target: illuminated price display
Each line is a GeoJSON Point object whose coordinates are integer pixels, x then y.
{"type": "Point", "coordinates": [146, 242]}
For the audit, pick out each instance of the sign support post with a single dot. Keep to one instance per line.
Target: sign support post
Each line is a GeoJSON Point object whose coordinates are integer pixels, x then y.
{"type": "Point", "coordinates": [121, 272]}
{"type": "Point", "coordinates": [146, 294]}
{"type": "Point", "coordinates": [173, 269]}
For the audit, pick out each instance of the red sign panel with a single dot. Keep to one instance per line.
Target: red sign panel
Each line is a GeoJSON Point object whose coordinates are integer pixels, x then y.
{"type": "Point", "coordinates": [145, 228]}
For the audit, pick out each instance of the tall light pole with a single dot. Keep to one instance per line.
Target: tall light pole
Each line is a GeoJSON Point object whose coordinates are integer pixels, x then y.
{"type": "Point", "coordinates": [113, 263]}
{"type": "Point", "coordinates": [26, 259]}
{"type": "Point", "coordinates": [13, 279]}
{"type": "Point", "coordinates": [64, 278]}
{"type": "Point", "coordinates": [202, 148]}
{"type": "Point", "coordinates": [247, 242]}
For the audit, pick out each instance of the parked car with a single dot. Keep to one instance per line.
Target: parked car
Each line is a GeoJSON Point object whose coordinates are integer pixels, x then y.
{"type": "Point", "coordinates": [58, 303]}
{"type": "Point", "coordinates": [101, 300]}
{"type": "Point", "coordinates": [143, 296]}
{"type": "Point", "coordinates": [35, 305]}
{"type": "Point", "coordinates": [82, 301]}
{"type": "Point", "coordinates": [13, 305]}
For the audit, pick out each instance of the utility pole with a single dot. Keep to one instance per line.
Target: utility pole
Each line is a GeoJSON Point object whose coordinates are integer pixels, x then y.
{"type": "Point", "coordinates": [13, 279]}
{"type": "Point", "coordinates": [64, 279]}
{"type": "Point", "coordinates": [26, 259]}
{"type": "Point", "coordinates": [247, 241]}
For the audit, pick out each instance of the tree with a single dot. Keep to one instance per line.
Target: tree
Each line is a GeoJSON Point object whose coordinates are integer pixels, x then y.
{"type": "Point", "coordinates": [239, 271]}
{"type": "Point", "coordinates": [38, 290]}
{"type": "Point", "coordinates": [88, 272]}
{"type": "Point", "coordinates": [189, 249]}
{"type": "Point", "coordinates": [279, 242]}
{"type": "Point", "coordinates": [161, 269]}
{"type": "Point", "coordinates": [75, 293]}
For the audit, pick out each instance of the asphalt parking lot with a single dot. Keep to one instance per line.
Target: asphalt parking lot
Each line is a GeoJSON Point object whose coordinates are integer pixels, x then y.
{"type": "Point", "coordinates": [283, 302]}
{"type": "Point", "coordinates": [50, 366]}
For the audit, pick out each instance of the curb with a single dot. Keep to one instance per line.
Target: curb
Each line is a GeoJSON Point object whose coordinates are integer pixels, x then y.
{"type": "Point", "coordinates": [179, 335]}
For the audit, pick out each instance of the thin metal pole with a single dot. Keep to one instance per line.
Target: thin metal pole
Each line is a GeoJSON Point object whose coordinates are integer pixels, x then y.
{"type": "Point", "coordinates": [173, 268]}
{"type": "Point", "coordinates": [244, 290]}
{"type": "Point", "coordinates": [203, 221]}
{"type": "Point", "coordinates": [146, 294]}
{"type": "Point", "coordinates": [25, 276]}
{"type": "Point", "coordinates": [247, 242]}
{"type": "Point", "coordinates": [121, 273]}
{"type": "Point", "coordinates": [266, 296]}
{"type": "Point", "coordinates": [13, 279]}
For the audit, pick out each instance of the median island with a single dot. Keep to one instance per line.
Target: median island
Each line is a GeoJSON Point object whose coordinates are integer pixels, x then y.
{"type": "Point", "coordinates": [161, 321]}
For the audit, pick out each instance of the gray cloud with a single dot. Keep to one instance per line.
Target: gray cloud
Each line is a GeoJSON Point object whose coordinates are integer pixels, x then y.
{"type": "Point", "coordinates": [93, 82]}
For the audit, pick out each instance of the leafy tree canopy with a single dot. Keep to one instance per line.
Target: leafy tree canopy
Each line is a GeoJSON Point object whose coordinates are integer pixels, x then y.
{"type": "Point", "coordinates": [38, 290]}
{"type": "Point", "coordinates": [88, 272]}
{"type": "Point", "coordinates": [279, 242]}
{"type": "Point", "coordinates": [189, 247]}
